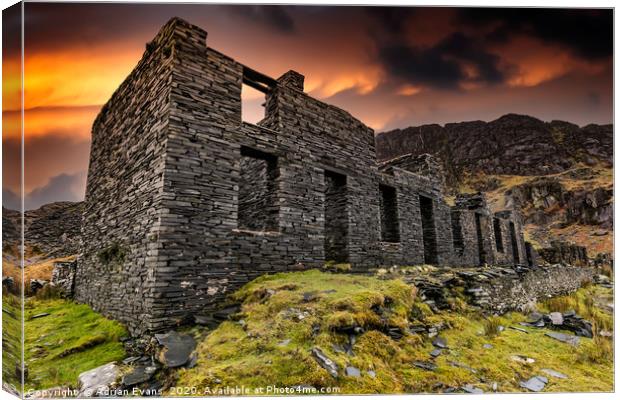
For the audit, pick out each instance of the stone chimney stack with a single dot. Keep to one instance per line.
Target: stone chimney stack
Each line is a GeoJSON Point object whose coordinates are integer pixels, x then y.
{"type": "Point", "coordinates": [292, 79]}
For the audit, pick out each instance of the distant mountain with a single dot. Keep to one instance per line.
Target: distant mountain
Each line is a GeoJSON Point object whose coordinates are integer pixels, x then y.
{"type": "Point", "coordinates": [53, 229]}
{"type": "Point", "coordinates": [511, 145]}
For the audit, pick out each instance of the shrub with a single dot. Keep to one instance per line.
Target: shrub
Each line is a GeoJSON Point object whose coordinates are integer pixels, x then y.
{"type": "Point", "coordinates": [491, 326]}
{"type": "Point", "coordinates": [48, 292]}
{"type": "Point", "coordinates": [112, 254]}
{"type": "Point", "coordinates": [597, 350]}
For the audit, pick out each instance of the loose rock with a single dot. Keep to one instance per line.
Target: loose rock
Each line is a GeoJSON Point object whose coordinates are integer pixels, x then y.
{"type": "Point", "coordinates": [572, 340]}
{"type": "Point", "coordinates": [535, 384]}
{"type": "Point", "coordinates": [440, 342]}
{"type": "Point", "coordinates": [435, 353]}
{"type": "Point", "coordinates": [139, 375]}
{"type": "Point", "coordinates": [472, 389]}
{"type": "Point", "coordinates": [352, 371]}
{"type": "Point", "coordinates": [327, 364]}
{"type": "Point", "coordinates": [553, 373]}
{"type": "Point", "coordinates": [429, 366]}
{"type": "Point", "coordinates": [97, 380]}
{"type": "Point", "coordinates": [556, 318]}
{"type": "Point", "coordinates": [178, 348]}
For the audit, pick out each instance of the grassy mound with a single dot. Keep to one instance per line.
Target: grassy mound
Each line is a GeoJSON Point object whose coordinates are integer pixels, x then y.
{"type": "Point", "coordinates": [70, 340]}
{"type": "Point", "coordinates": [285, 316]}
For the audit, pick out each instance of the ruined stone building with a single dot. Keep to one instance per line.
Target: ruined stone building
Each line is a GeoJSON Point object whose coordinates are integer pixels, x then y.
{"type": "Point", "coordinates": [185, 202]}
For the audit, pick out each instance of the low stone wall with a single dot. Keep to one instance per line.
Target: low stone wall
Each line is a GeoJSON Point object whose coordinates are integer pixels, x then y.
{"type": "Point", "coordinates": [63, 276]}
{"type": "Point", "coordinates": [521, 289]}
{"type": "Point", "coordinates": [564, 252]}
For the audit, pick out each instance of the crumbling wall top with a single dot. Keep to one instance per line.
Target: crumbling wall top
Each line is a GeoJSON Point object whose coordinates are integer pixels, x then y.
{"type": "Point", "coordinates": [292, 79]}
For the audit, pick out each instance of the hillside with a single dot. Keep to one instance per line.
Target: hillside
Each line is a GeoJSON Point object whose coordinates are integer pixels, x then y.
{"type": "Point", "coordinates": [52, 229]}
{"type": "Point", "coordinates": [560, 175]}
{"type": "Point", "coordinates": [510, 145]}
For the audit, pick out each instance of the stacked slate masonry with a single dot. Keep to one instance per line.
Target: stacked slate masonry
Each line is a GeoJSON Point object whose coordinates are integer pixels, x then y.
{"type": "Point", "coordinates": [186, 202]}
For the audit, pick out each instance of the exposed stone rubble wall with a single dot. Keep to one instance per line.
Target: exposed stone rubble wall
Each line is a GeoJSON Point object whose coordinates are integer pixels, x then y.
{"type": "Point", "coordinates": [186, 202]}
{"type": "Point", "coordinates": [563, 252]}
{"type": "Point", "coordinates": [53, 229]}
{"type": "Point", "coordinates": [63, 276]}
{"type": "Point", "coordinates": [521, 289]}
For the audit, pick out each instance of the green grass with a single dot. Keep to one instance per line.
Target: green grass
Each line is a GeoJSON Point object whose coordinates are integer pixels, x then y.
{"type": "Point", "coordinates": [69, 341]}
{"type": "Point", "coordinates": [11, 339]}
{"type": "Point", "coordinates": [253, 351]}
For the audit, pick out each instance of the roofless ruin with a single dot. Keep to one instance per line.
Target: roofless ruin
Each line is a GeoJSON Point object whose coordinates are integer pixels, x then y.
{"type": "Point", "coordinates": [185, 202]}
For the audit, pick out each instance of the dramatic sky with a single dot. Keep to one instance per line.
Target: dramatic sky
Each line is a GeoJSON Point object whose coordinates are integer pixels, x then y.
{"type": "Point", "coordinates": [390, 67]}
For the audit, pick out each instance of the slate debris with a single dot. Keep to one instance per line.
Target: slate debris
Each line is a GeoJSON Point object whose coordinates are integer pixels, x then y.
{"type": "Point", "coordinates": [440, 342]}
{"type": "Point", "coordinates": [225, 313]}
{"type": "Point", "coordinates": [469, 388]}
{"type": "Point", "coordinates": [463, 366]}
{"type": "Point", "coordinates": [326, 363]}
{"type": "Point", "coordinates": [556, 318]}
{"type": "Point", "coordinates": [562, 337]}
{"type": "Point", "coordinates": [177, 348]}
{"type": "Point", "coordinates": [352, 371]}
{"type": "Point", "coordinates": [429, 366]}
{"type": "Point", "coordinates": [435, 353]}
{"type": "Point", "coordinates": [138, 375]}
{"type": "Point", "coordinates": [564, 321]}
{"type": "Point", "coordinates": [97, 379]}
{"type": "Point", "coordinates": [535, 384]}
{"type": "Point", "coordinates": [553, 373]}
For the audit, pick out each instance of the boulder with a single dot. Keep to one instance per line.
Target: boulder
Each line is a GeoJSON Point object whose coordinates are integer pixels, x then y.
{"type": "Point", "coordinates": [98, 380]}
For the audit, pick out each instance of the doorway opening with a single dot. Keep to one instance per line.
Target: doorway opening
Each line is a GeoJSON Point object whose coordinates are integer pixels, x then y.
{"type": "Point", "coordinates": [336, 218]}
{"type": "Point", "coordinates": [429, 235]}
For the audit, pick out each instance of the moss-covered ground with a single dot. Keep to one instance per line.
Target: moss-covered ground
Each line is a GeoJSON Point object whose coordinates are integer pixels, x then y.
{"type": "Point", "coordinates": [70, 340]}
{"type": "Point", "coordinates": [285, 316]}
{"type": "Point", "coordinates": [11, 339]}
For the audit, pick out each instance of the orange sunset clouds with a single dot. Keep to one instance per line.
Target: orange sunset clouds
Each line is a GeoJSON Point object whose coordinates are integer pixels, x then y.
{"type": "Point", "coordinates": [391, 68]}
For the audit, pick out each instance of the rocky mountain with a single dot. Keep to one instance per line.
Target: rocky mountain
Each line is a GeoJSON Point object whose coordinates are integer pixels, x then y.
{"type": "Point", "coordinates": [510, 145]}
{"type": "Point", "coordinates": [559, 174]}
{"type": "Point", "coordinates": [53, 229]}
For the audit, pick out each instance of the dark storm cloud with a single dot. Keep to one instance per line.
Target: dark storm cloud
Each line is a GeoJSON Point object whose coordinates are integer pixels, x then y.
{"type": "Point", "coordinates": [44, 157]}
{"type": "Point", "coordinates": [276, 17]}
{"type": "Point", "coordinates": [390, 19]}
{"type": "Point", "coordinates": [442, 65]}
{"type": "Point", "coordinates": [11, 30]}
{"type": "Point", "coordinates": [588, 33]}
{"type": "Point", "coordinates": [63, 187]}
{"type": "Point", "coordinates": [10, 200]}
{"type": "Point", "coordinates": [87, 24]}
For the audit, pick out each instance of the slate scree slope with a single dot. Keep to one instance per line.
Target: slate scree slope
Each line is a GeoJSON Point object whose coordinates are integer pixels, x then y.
{"type": "Point", "coordinates": [185, 202]}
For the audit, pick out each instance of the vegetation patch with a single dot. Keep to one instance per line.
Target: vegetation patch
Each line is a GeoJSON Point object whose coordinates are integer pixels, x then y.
{"type": "Point", "coordinates": [11, 339]}
{"type": "Point", "coordinates": [114, 253]}
{"type": "Point", "coordinates": [69, 340]}
{"type": "Point", "coordinates": [285, 316]}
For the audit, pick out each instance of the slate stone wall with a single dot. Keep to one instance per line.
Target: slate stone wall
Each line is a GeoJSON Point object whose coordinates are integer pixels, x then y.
{"type": "Point", "coordinates": [521, 291]}
{"type": "Point", "coordinates": [63, 276]}
{"type": "Point", "coordinates": [563, 252]}
{"type": "Point", "coordinates": [123, 209]}
{"type": "Point", "coordinates": [186, 202]}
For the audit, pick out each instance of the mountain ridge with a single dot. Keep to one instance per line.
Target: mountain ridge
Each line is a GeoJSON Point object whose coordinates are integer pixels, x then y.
{"type": "Point", "coordinates": [513, 144]}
